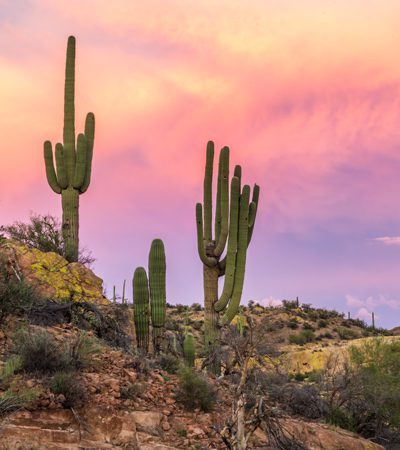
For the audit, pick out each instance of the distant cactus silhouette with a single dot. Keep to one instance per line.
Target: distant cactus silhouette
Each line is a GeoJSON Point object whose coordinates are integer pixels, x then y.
{"type": "Point", "coordinates": [73, 162]}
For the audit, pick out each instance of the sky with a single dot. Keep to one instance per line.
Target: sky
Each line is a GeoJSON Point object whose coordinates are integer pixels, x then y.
{"type": "Point", "coordinates": [306, 95]}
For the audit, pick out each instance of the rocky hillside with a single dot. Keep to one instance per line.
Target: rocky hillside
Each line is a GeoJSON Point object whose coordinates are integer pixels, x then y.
{"type": "Point", "coordinates": [70, 376]}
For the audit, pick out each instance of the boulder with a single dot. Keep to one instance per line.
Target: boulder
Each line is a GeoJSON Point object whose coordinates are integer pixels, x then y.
{"type": "Point", "coordinates": [51, 275]}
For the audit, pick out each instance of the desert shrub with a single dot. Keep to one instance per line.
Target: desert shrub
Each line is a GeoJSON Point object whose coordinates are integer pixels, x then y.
{"type": "Point", "coordinates": [357, 323]}
{"type": "Point", "coordinates": [348, 333]}
{"type": "Point", "coordinates": [302, 337]}
{"type": "Point", "coordinates": [197, 325]}
{"type": "Point", "coordinates": [132, 390]}
{"type": "Point", "coordinates": [167, 362]}
{"type": "Point", "coordinates": [40, 352]}
{"type": "Point", "coordinates": [293, 325]}
{"type": "Point", "coordinates": [43, 233]}
{"type": "Point", "coordinates": [12, 401]}
{"type": "Point", "coordinates": [194, 391]}
{"type": "Point", "coordinates": [289, 304]}
{"type": "Point", "coordinates": [303, 400]}
{"type": "Point", "coordinates": [308, 326]}
{"type": "Point", "coordinates": [328, 335]}
{"type": "Point", "coordinates": [15, 293]}
{"type": "Point", "coordinates": [363, 394]}
{"type": "Point", "coordinates": [12, 365]}
{"type": "Point", "coordinates": [377, 367]}
{"type": "Point", "coordinates": [196, 307]}
{"type": "Point", "coordinates": [181, 308]}
{"type": "Point", "coordinates": [82, 349]}
{"type": "Point", "coordinates": [322, 323]}
{"type": "Point", "coordinates": [66, 383]}
{"type": "Point", "coordinates": [140, 364]}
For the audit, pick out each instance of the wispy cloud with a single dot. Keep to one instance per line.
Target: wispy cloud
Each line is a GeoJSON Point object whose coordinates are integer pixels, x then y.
{"type": "Point", "coordinates": [372, 303]}
{"type": "Point", "coordinates": [388, 240]}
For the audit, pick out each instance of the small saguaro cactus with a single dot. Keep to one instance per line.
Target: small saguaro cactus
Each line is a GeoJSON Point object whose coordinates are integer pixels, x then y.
{"type": "Point", "coordinates": [158, 300]}
{"type": "Point", "coordinates": [141, 308]}
{"type": "Point", "coordinates": [235, 216]}
{"type": "Point", "coordinates": [73, 160]}
{"type": "Point", "coordinates": [154, 291]}
{"type": "Point", "coordinates": [189, 349]}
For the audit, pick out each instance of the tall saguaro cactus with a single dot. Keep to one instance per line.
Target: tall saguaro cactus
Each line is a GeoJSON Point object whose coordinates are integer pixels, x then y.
{"type": "Point", "coordinates": [235, 216]}
{"type": "Point", "coordinates": [141, 308]}
{"type": "Point", "coordinates": [157, 272]}
{"type": "Point", "coordinates": [73, 162]}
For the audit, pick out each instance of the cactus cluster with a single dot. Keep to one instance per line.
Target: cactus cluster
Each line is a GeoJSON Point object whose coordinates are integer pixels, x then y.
{"type": "Point", "coordinates": [149, 298]}
{"type": "Point", "coordinates": [235, 216]}
{"type": "Point", "coordinates": [73, 161]}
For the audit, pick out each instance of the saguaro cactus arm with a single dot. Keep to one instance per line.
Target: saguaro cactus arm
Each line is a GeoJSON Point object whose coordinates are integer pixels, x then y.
{"type": "Point", "coordinates": [222, 214]}
{"type": "Point", "coordinates": [208, 191]}
{"type": "Point", "coordinates": [207, 260]}
{"type": "Point", "coordinates": [240, 257]}
{"type": "Point", "coordinates": [232, 246]}
{"type": "Point", "coordinates": [89, 135]}
{"type": "Point", "coordinates": [50, 171]}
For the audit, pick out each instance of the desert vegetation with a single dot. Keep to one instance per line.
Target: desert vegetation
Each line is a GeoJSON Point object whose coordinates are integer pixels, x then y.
{"type": "Point", "coordinates": [216, 374]}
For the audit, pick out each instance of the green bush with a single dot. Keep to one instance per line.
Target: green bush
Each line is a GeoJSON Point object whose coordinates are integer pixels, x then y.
{"type": "Point", "coordinates": [293, 325]}
{"type": "Point", "coordinates": [167, 362]}
{"type": "Point", "coordinates": [15, 293]}
{"type": "Point", "coordinates": [40, 352]}
{"type": "Point", "coordinates": [347, 333]}
{"type": "Point", "coordinates": [43, 233]}
{"type": "Point", "coordinates": [194, 391]}
{"type": "Point", "coordinates": [11, 401]}
{"type": "Point", "coordinates": [66, 383]}
{"type": "Point", "coordinates": [82, 349]}
{"type": "Point", "coordinates": [12, 365]}
{"type": "Point", "coordinates": [302, 337]}
{"type": "Point", "coordinates": [322, 323]}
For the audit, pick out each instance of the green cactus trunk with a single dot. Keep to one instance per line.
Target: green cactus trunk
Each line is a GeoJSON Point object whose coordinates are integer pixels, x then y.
{"type": "Point", "coordinates": [157, 282]}
{"type": "Point", "coordinates": [234, 222]}
{"type": "Point", "coordinates": [141, 309]}
{"type": "Point", "coordinates": [189, 350]}
{"type": "Point", "coordinates": [70, 222]}
{"type": "Point", "coordinates": [71, 175]}
{"type": "Point", "coordinates": [210, 279]}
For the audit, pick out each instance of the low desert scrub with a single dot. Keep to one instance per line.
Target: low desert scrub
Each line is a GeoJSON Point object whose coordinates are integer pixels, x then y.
{"type": "Point", "coordinates": [67, 384]}
{"type": "Point", "coordinates": [12, 401]}
{"type": "Point", "coordinates": [302, 337]}
{"type": "Point", "coordinates": [39, 352]}
{"type": "Point", "coordinates": [194, 391]}
{"type": "Point", "coordinates": [167, 362]}
{"type": "Point", "coordinates": [132, 391]}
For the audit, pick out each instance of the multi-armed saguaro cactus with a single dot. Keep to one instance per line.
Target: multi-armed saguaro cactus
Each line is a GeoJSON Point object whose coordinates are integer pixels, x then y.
{"type": "Point", "coordinates": [153, 290]}
{"type": "Point", "coordinates": [73, 163]}
{"type": "Point", "coordinates": [189, 349]}
{"type": "Point", "coordinates": [234, 222]}
{"type": "Point", "coordinates": [141, 308]}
